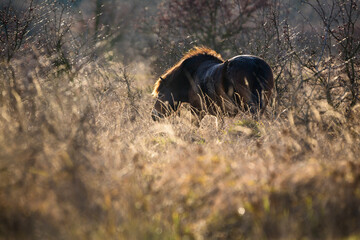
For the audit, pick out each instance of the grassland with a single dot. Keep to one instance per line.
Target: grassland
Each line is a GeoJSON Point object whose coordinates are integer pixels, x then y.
{"type": "Point", "coordinates": [82, 159]}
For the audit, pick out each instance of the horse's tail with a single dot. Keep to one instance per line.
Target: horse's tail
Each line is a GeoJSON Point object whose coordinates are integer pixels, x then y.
{"type": "Point", "coordinates": [261, 86]}
{"type": "Point", "coordinates": [257, 101]}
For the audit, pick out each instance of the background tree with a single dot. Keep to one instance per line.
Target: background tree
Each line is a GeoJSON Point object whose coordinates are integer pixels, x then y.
{"type": "Point", "coordinates": [211, 23]}
{"type": "Point", "coordinates": [336, 64]}
{"type": "Point", "coordinates": [15, 25]}
{"type": "Point", "coordinates": [216, 24]}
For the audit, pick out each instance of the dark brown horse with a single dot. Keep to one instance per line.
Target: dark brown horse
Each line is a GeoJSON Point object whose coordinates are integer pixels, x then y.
{"type": "Point", "coordinates": [210, 84]}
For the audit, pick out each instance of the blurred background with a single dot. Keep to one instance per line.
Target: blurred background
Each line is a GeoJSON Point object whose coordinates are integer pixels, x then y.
{"type": "Point", "coordinates": [303, 34]}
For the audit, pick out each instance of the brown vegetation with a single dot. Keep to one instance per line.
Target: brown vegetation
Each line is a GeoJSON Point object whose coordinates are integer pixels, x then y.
{"type": "Point", "coordinates": [80, 157]}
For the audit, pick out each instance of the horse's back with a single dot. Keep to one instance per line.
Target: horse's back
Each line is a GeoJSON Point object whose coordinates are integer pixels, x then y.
{"type": "Point", "coordinates": [250, 62]}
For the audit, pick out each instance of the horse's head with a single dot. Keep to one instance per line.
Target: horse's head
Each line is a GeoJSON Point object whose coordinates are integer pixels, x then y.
{"type": "Point", "coordinates": [165, 100]}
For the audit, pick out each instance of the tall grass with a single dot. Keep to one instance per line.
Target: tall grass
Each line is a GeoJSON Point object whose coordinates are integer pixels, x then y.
{"type": "Point", "coordinates": [82, 159]}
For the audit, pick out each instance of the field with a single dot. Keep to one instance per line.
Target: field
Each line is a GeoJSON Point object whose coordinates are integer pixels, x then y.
{"type": "Point", "coordinates": [81, 158]}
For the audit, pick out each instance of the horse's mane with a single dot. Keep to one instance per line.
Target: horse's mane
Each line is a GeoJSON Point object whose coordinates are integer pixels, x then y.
{"type": "Point", "coordinates": [196, 51]}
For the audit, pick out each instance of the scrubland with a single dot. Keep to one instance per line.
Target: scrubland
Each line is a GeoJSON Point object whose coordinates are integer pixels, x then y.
{"type": "Point", "coordinates": [81, 158]}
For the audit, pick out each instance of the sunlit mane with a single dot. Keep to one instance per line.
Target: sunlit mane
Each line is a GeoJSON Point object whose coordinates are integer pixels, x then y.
{"type": "Point", "coordinates": [193, 52]}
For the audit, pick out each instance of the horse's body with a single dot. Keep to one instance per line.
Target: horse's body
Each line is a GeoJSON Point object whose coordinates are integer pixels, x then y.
{"type": "Point", "coordinates": [208, 83]}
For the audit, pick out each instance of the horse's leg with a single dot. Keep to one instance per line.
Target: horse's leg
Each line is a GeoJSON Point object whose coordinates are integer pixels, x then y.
{"type": "Point", "coordinates": [267, 95]}
{"type": "Point", "coordinates": [197, 106]}
{"type": "Point", "coordinates": [198, 115]}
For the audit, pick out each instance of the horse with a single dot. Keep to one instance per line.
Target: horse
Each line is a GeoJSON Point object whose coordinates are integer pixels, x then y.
{"type": "Point", "coordinates": [211, 85]}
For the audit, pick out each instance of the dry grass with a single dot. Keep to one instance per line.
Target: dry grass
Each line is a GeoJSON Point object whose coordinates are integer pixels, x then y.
{"type": "Point", "coordinates": [82, 159]}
